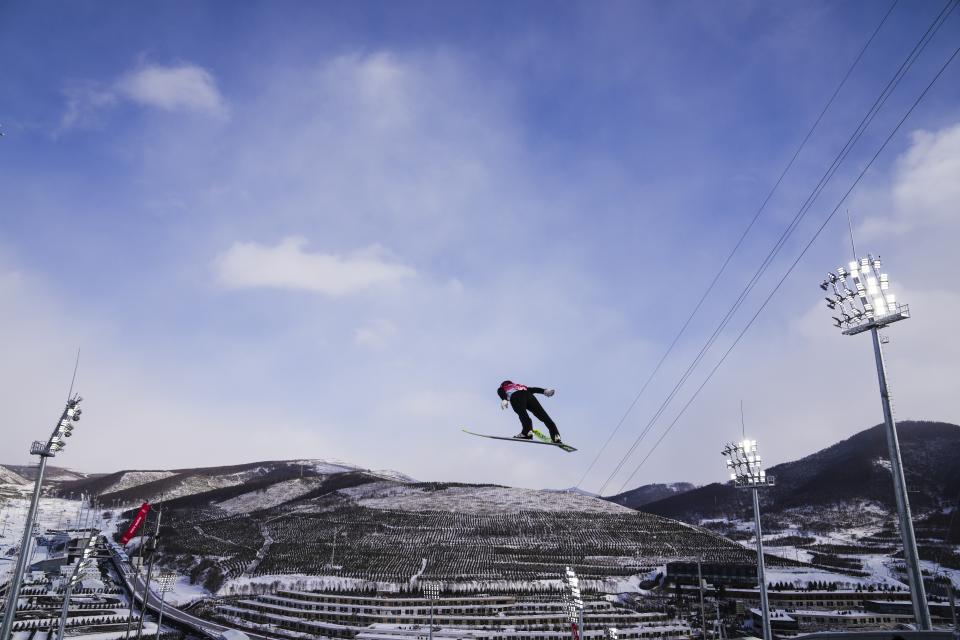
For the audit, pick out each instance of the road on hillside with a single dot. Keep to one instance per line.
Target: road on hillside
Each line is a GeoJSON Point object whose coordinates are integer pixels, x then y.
{"type": "Point", "coordinates": [134, 584]}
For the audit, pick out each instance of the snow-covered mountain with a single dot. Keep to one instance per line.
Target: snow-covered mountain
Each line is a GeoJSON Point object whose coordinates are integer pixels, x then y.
{"type": "Point", "coordinates": [154, 485]}
{"type": "Point", "coordinates": [282, 518]}
{"type": "Point", "coordinates": [52, 474]}
{"type": "Point", "coordinates": [7, 476]}
{"type": "Point", "coordinates": [855, 470]}
{"type": "Point", "coordinates": [835, 508]}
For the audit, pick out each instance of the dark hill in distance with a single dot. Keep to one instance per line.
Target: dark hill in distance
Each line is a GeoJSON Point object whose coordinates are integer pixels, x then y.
{"type": "Point", "coordinates": [635, 498]}
{"type": "Point", "coordinates": [855, 469]}
{"type": "Point", "coordinates": [52, 474]}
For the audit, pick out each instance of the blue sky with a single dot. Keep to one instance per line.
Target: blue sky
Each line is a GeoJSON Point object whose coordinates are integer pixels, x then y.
{"type": "Point", "coordinates": [291, 229]}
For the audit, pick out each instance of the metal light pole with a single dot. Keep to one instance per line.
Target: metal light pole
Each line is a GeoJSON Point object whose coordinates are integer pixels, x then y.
{"type": "Point", "coordinates": [54, 444]}
{"type": "Point", "coordinates": [744, 462]}
{"type": "Point", "coordinates": [574, 602]}
{"type": "Point", "coordinates": [146, 584]}
{"type": "Point", "coordinates": [84, 563]}
{"type": "Point", "coordinates": [871, 307]}
{"type": "Point", "coordinates": [431, 592]}
{"type": "Point", "coordinates": [165, 582]}
{"type": "Point", "coordinates": [703, 615]}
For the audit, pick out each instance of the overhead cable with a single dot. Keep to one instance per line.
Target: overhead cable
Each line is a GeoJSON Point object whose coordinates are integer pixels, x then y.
{"type": "Point", "coordinates": [798, 217]}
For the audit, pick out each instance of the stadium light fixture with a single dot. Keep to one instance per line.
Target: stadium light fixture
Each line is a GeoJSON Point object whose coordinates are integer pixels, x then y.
{"type": "Point", "coordinates": [55, 443]}
{"type": "Point", "coordinates": [165, 583]}
{"type": "Point", "coordinates": [865, 302]}
{"type": "Point", "coordinates": [872, 306]}
{"type": "Point", "coordinates": [431, 591]}
{"type": "Point", "coordinates": [746, 471]}
{"type": "Point", "coordinates": [573, 601]}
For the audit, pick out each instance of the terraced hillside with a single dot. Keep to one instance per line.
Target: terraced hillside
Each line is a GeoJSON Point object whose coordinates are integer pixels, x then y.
{"type": "Point", "coordinates": [385, 528]}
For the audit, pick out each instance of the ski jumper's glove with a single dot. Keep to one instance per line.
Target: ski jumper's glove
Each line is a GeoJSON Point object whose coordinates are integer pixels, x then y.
{"type": "Point", "coordinates": [504, 404]}
{"type": "Point", "coordinates": [548, 392]}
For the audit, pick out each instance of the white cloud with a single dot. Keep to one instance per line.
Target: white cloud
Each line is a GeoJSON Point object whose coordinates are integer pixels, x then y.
{"type": "Point", "coordinates": [433, 161]}
{"type": "Point", "coordinates": [184, 87]}
{"type": "Point", "coordinates": [287, 266]}
{"type": "Point", "coordinates": [927, 189]}
{"type": "Point", "coordinates": [376, 334]}
{"type": "Point", "coordinates": [40, 332]}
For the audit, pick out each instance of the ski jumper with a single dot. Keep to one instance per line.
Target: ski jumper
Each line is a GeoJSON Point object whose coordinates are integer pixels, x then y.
{"type": "Point", "coordinates": [522, 400]}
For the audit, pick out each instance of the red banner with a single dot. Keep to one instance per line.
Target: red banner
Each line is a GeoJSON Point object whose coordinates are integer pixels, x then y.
{"type": "Point", "coordinates": [137, 521]}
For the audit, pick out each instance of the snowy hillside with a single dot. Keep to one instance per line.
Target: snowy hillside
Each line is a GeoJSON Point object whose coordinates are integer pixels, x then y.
{"type": "Point", "coordinates": [360, 527]}
{"type": "Point", "coordinates": [855, 469]}
{"type": "Point", "coordinates": [51, 474]}
{"type": "Point", "coordinates": [852, 542]}
{"type": "Point", "coordinates": [270, 496]}
{"type": "Point", "coordinates": [52, 513]}
{"type": "Point", "coordinates": [9, 477]}
{"type": "Point", "coordinates": [130, 479]}
{"type": "Point", "coordinates": [134, 485]}
{"type": "Point", "coordinates": [475, 500]}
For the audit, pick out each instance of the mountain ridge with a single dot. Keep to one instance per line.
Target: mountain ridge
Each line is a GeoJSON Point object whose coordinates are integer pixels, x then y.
{"type": "Point", "coordinates": [856, 468]}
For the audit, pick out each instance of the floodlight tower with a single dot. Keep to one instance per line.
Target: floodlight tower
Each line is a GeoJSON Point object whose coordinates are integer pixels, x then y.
{"type": "Point", "coordinates": [870, 306]}
{"type": "Point", "coordinates": [84, 564]}
{"type": "Point", "coordinates": [165, 582]}
{"type": "Point", "coordinates": [746, 471]}
{"type": "Point", "coordinates": [55, 443]}
{"type": "Point", "coordinates": [574, 602]}
{"type": "Point", "coordinates": [431, 591]}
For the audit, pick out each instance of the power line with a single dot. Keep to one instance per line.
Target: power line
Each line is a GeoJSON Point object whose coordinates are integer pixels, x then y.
{"type": "Point", "coordinates": [798, 217]}
{"type": "Point", "coordinates": [798, 258]}
{"type": "Point", "coordinates": [736, 247]}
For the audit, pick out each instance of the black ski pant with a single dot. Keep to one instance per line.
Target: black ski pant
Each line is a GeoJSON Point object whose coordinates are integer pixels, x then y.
{"type": "Point", "coordinates": [523, 401]}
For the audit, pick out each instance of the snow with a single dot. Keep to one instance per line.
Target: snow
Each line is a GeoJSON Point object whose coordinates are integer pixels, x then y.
{"type": "Point", "coordinates": [578, 490]}
{"type": "Point", "coordinates": [476, 500]}
{"type": "Point", "coordinates": [52, 513]}
{"type": "Point", "coordinates": [9, 477]}
{"type": "Point", "coordinates": [326, 467]}
{"type": "Point", "coordinates": [416, 576]}
{"type": "Point", "coordinates": [184, 593]}
{"type": "Point", "coordinates": [189, 485]}
{"type": "Point", "coordinates": [294, 581]}
{"type": "Point", "coordinates": [271, 496]}
{"type": "Point", "coordinates": [149, 629]}
{"type": "Point", "coordinates": [387, 474]}
{"type": "Point", "coordinates": [880, 567]}
{"type": "Point", "coordinates": [803, 575]}
{"type": "Point", "coordinates": [131, 479]}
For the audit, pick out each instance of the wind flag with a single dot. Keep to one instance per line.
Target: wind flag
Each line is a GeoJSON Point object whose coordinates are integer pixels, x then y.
{"type": "Point", "coordinates": [137, 521]}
